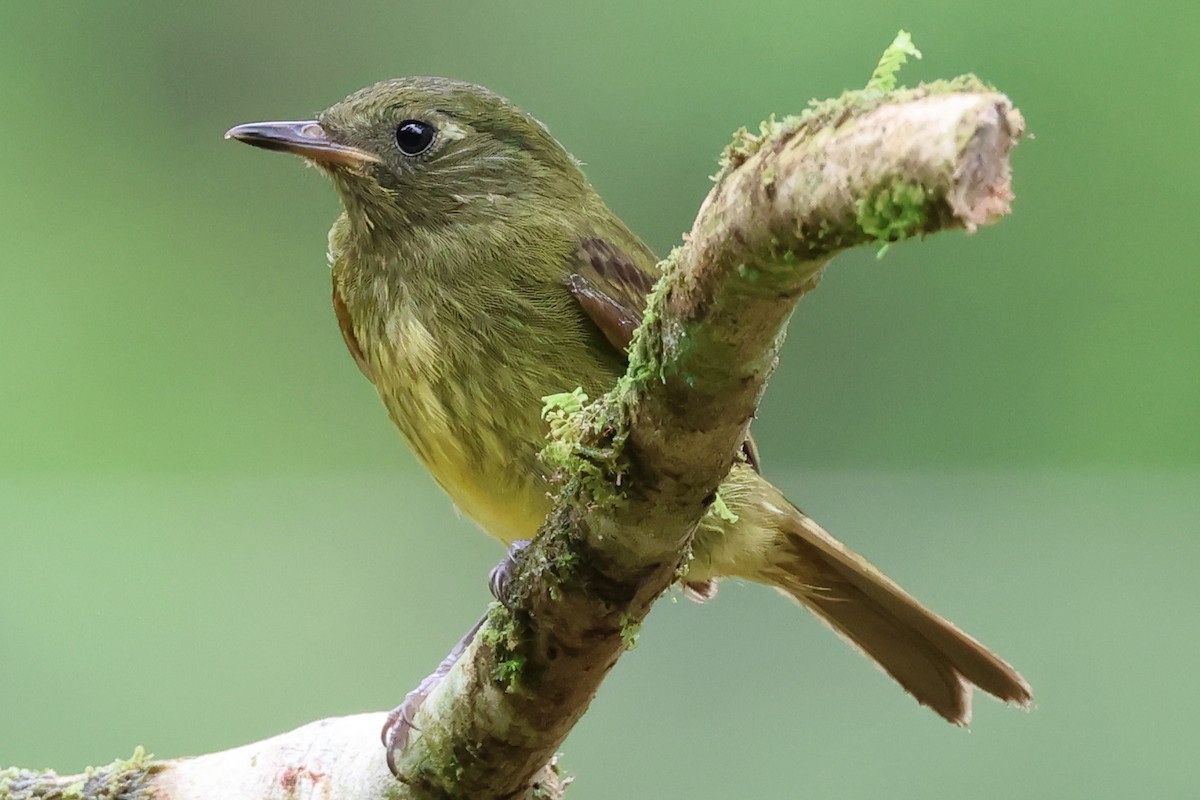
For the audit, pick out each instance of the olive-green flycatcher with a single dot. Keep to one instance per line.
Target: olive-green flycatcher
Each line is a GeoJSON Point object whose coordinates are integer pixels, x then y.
{"type": "Point", "coordinates": [475, 271]}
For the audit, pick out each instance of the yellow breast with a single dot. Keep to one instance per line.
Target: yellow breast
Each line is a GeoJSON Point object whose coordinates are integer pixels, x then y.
{"type": "Point", "coordinates": [457, 430]}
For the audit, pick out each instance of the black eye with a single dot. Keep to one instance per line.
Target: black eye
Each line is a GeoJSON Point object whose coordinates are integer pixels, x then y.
{"type": "Point", "coordinates": [414, 136]}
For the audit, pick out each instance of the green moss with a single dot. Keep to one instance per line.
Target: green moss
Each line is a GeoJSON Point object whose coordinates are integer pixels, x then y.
{"type": "Point", "coordinates": [685, 561]}
{"type": "Point", "coordinates": [584, 446]}
{"type": "Point", "coordinates": [555, 785]}
{"type": "Point", "coordinates": [893, 212]}
{"type": "Point", "coordinates": [745, 144]}
{"type": "Point", "coordinates": [508, 671]}
{"type": "Point", "coordinates": [501, 629]}
{"type": "Point", "coordinates": [502, 635]}
{"type": "Point", "coordinates": [630, 630]}
{"type": "Point", "coordinates": [749, 273]}
{"type": "Point", "coordinates": [767, 178]}
{"type": "Point", "coordinates": [560, 560]}
{"type": "Point", "coordinates": [646, 346]}
{"type": "Point", "coordinates": [832, 113]}
{"type": "Point", "coordinates": [449, 769]}
{"type": "Point", "coordinates": [441, 763]}
{"type": "Point", "coordinates": [883, 79]}
{"type": "Point", "coordinates": [123, 778]}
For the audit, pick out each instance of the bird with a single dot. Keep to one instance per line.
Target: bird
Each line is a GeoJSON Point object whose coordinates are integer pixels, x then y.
{"type": "Point", "coordinates": [475, 270]}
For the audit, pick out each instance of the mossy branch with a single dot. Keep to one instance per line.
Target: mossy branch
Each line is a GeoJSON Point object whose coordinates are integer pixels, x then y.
{"type": "Point", "coordinates": [640, 467]}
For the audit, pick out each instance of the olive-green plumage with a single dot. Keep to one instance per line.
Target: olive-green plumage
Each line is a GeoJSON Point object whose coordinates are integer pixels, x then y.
{"type": "Point", "coordinates": [475, 270]}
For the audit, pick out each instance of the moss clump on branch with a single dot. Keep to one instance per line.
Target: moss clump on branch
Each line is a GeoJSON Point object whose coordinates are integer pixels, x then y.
{"type": "Point", "coordinates": [880, 89]}
{"type": "Point", "coordinates": [630, 630]}
{"type": "Point", "coordinates": [893, 213]}
{"type": "Point", "coordinates": [442, 764]}
{"type": "Point", "coordinates": [123, 779]}
{"type": "Point", "coordinates": [584, 446]}
{"type": "Point", "coordinates": [503, 637]}
{"type": "Point", "coordinates": [647, 344]}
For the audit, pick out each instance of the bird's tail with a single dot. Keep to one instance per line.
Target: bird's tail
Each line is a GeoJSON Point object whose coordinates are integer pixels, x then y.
{"type": "Point", "coordinates": [935, 661]}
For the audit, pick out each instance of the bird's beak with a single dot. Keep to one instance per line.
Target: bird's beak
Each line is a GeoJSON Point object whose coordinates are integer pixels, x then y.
{"type": "Point", "coordinates": [305, 138]}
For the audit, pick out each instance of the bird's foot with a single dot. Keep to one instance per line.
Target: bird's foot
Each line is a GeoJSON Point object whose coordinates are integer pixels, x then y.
{"type": "Point", "coordinates": [399, 723]}
{"type": "Point", "coordinates": [500, 581]}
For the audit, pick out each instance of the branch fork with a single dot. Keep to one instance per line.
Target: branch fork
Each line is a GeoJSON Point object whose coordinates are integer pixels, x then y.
{"type": "Point", "coordinates": [869, 167]}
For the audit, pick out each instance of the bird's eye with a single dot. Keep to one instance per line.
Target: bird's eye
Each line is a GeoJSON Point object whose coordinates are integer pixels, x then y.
{"type": "Point", "coordinates": [414, 137]}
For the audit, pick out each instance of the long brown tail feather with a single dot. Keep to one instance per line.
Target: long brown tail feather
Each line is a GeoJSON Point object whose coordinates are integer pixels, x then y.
{"type": "Point", "coordinates": [931, 658]}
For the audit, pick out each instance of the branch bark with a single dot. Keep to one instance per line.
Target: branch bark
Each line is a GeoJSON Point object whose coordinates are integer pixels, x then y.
{"type": "Point", "coordinates": [639, 467]}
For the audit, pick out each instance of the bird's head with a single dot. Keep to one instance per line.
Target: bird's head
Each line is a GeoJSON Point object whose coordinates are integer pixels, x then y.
{"type": "Point", "coordinates": [429, 152]}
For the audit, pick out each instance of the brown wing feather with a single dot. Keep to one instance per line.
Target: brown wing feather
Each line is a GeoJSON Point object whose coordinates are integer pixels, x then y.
{"type": "Point", "coordinates": [611, 288]}
{"type": "Point", "coordinates": [347, 327]}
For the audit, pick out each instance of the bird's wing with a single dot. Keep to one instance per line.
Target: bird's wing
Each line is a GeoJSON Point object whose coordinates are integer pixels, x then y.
{"type": "Point", "coordinates": [611, 288]}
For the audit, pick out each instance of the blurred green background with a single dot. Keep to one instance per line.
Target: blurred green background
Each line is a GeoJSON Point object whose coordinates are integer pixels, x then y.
{"type": "Point", "coordinates": [209, 532]}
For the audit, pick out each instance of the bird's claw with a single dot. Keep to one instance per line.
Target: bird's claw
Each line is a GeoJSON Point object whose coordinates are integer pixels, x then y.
{"type": "Point", "coordinates": [501, 577]}
{"type": "Point", "coordinates": [399, 723]}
